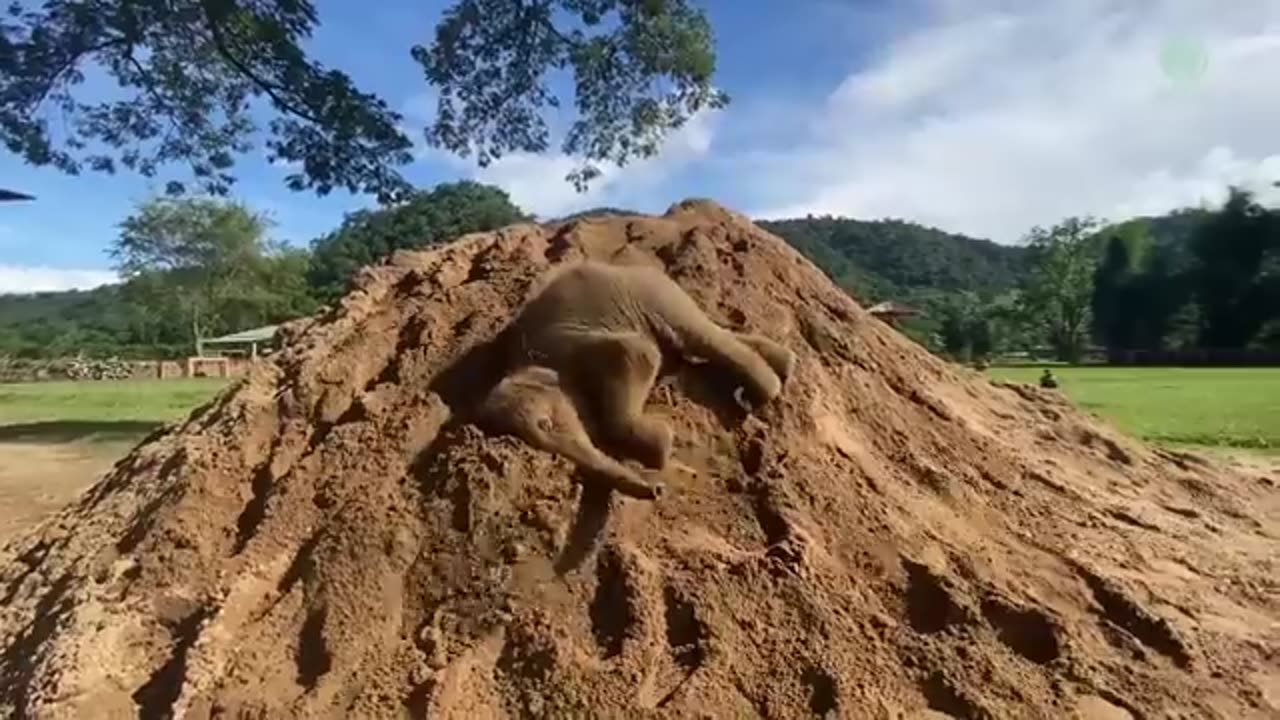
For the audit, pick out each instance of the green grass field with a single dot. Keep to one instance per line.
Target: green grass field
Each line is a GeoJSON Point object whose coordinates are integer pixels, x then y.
{"type": "Point", "coordinates": [103, 411]}
{"type": "Point", "coordinates": [1210, 407]}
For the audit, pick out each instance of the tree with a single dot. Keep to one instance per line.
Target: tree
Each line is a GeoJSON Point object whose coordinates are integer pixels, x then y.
{"type": "Point", "coordinates": [205, 262]}
{"type": "Point", "coordinates": [1114, 314]}
{"type": "Point", "coordinates": [970, 325]}
{"type": "Point", "coordinates": [192, 73]}
{"type": "Point", "coordinates": [1268, 336]}
{"type": "Point", "coordinates": [960, 314]}
{"type": "Point", "coordinates": [275, 289]}
{"type": "Point", "coordinates": [981, 338]}
{"type": "Point", "coordinates": [1232, 249]}
{"type": "Point", "coordinates": [1058, 291]}
{"type": "Point", "coordinates": [954, 334]}
{"type": "Point", "coordinates": [1007, 323]}
{"type": "Point", "coordinates": [50, 324]}
{"type": "Point", "coordinates": [1163, 298]}
{"type": "Point", "coordinates": [425, 218]}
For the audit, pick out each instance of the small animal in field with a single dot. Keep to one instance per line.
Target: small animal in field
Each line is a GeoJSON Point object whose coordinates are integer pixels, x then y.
{"type": "Point", "coordinates": [586, 350]}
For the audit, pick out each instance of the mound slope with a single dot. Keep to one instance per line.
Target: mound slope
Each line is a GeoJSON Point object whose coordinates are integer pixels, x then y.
{"type": "Point", "coordinates": [893, 537]}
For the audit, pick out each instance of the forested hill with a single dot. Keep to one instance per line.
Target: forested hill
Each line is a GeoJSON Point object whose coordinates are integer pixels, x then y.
{"type": "Point", "coordinates": [60, 323]}
{"type": "Point", "coordinates": [878, 259]}
{"type": "Point", "coordinates": [946, 274]}
{"type": "Point", "coordinates": [882, 259]}
{"type": "Point", "coordinates": [875, 260]}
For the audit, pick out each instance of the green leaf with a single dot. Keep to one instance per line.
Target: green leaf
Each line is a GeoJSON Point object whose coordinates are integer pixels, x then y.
{"type": "Point", "coordinates": [192, 72]}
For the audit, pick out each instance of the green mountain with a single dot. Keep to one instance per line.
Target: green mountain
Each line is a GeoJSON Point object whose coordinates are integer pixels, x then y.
{"type": "Point", "coordinates": [883, 259]}
{"type": "Point", "coordinates": [47, 324]}
{"type": "Point", "coordinates": [873, 259]}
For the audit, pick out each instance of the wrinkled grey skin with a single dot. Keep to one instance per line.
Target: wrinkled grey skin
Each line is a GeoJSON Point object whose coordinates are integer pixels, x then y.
{"type": "Point", "coordinates": [589, 347]}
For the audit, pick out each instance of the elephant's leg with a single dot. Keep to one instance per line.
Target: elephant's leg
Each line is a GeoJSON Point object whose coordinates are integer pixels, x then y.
{"type": "Point", "coordinates": [531, 404]}
{"type": "Point", "coordinates": [614, 372]}
{"type": "Point", "coordinates": [778, 356]}
{"type": "Point", "coordinates": [728, 351]}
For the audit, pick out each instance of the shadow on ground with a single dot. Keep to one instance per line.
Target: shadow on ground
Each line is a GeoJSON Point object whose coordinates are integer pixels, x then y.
{"type": "Point", "coordinates": [63, 431]}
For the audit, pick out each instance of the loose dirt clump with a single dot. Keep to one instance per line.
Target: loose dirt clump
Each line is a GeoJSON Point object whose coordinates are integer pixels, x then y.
{"type": "Point", "coordinates": [893, 537]}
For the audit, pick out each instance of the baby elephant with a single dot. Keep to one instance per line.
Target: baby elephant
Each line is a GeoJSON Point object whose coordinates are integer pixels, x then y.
{"type": "Point", "coordinates": [586, 351]}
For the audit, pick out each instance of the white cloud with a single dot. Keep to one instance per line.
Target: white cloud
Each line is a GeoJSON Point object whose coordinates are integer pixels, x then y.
{"type": "Point", "coordinates": [993, 116]}
{"type": "Point", "coordinates": [1207, 182]}
{"type": "Point", "coordinates": [28, 279]}
{"type": "Point", "coordinates": [537, 182]}
{"type": "Point", "coordinates": [417, 112]}
{"type": "Point", "coordinates": [290, 165]}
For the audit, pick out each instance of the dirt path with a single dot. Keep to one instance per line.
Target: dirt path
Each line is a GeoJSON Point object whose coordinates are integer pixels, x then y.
{"type": "Point", "coordinates": [38, 478]}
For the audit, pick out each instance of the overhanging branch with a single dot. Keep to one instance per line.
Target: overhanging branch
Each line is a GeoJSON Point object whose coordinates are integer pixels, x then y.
{"type": "Point", "coordinates": [272, 91]}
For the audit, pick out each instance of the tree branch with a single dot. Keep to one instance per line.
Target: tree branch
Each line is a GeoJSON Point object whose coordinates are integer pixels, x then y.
{"type": "Point", "coordinates": [72, 59]}
{"type": "Point", "coordinates": [224, 50]}
{"type": "Point", "coordinates": [149, 86]}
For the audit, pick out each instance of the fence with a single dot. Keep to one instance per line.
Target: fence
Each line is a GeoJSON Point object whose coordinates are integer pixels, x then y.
{"type": "Point", "coordinates": [21, 370]}
{"type": "Point", "coordinates": [223, 367]}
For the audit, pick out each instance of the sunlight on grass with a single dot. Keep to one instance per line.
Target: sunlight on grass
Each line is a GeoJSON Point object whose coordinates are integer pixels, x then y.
{"type": "Point", "coordinates": [98, 410]}
{"type": "Point", "coordinates": [1215, 407]}
{"type": "Point", "coordinates": [1212, 407]}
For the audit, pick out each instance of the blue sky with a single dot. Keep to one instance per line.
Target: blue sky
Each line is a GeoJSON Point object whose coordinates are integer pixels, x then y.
{"type": "Point", "coordinates": [978, 116]}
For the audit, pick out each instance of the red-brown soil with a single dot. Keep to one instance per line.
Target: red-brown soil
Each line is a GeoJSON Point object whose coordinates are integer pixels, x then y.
{"type": "Point", "coordinates": [894, 537]}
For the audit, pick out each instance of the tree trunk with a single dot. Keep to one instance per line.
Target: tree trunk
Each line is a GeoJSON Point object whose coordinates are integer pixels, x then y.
{"type": "Point", "coordinates": [196, 334]}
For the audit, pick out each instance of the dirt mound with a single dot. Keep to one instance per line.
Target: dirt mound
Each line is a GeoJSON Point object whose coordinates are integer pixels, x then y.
{"type": "Point", "coordinates": [893, 537]}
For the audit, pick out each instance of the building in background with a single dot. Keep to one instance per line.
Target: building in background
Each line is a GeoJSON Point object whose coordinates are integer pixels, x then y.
{"type": "Point", "coordinates": [231, 355]}
{"type": "Point", "coordinates": [891, 312]}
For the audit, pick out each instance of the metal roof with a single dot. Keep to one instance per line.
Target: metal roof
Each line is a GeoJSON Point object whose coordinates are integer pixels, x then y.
{"type": "Point", "coordinates": [262, 334]}
{"type": "Point", "coordinates": [889, 307]}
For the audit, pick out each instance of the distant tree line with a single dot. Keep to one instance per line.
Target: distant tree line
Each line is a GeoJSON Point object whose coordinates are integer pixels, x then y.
{"type": "Point", "coordinates": [1215, 287]}
{"type": "Point", "coordinates": [1203, 279]}
{"type": "Point", "coordinates": [964, 285]}
{"type": "Point", "coordinates": [1196, 278]}
{"type": "Point", "coordinates": [196, 267]}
